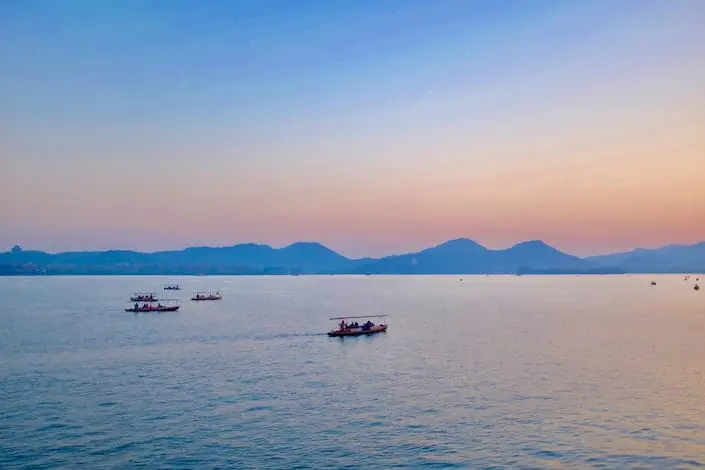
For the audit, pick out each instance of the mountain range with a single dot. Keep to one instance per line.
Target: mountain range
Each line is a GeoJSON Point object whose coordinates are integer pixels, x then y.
{"type": "Point", "coordinates": [461, 256]}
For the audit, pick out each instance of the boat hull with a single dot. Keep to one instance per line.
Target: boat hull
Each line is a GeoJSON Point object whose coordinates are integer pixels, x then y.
{"type": "Point", "coordinates": [358, 331]}
{"type": "Point", "coordinates": [205, 298]}
{"type": "Point", "coordinates": [155, 309]}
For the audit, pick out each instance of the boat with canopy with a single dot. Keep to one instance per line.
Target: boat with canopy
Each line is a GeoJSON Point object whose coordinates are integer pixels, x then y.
{"type": "Point", "coordinates": [170, 305]}
{"type": "Point", "coordinates": [144, 297]}
{"type": "Point", "coordinates": [207, 295]}
{"type": "Point", "coordinates": [355, 328]}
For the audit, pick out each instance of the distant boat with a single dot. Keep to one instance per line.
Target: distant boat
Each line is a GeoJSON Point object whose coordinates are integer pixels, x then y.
{"type": "Point", "coordinates": [653, 283]}
{"type": "Point", "coordinates": [355, 329]}
{"type": "Point", "coordinates": [696, 287]}
{"type": "Point", "coordinates": [206, 295]}
{"type": "Point", "coordinates": [144, 297]}
{"type": "Point", "coordinates": [146, 308]}
{"type": "Point", "coordinates": [172, 287]}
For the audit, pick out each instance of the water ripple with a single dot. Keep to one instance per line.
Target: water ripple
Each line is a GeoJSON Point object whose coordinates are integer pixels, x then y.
{"type": "Point", "coordinates": [564, 374]}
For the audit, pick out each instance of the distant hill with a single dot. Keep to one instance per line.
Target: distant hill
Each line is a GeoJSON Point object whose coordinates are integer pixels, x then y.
{"type": "Point", "coordinates": [248, 258]}
{"type": "Point", "coordinates": [455, 256]}
{"type": "Point", "coordinates": [668, 259]}
{"type": "Point", "coordinates": [461, 256]}
{"type": "Point", "coordinates": [465, 256]}
{"type": "Point", "coordinates": [538, 255]}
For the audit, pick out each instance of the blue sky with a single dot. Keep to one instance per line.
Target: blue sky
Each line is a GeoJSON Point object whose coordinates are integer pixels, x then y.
{"type": "Point", "coordinates": [373, 127]}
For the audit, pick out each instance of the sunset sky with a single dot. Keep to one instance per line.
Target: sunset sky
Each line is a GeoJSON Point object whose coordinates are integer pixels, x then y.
{"type": "Point", "coordinates": [374, 127]}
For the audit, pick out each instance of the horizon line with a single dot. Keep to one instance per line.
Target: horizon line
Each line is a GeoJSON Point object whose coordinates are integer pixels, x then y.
{"type": "Point", "coordinates": [303, 242]}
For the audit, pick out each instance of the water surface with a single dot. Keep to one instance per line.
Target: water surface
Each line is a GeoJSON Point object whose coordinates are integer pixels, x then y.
{"type": "Point", "coordinates": [525, 372]}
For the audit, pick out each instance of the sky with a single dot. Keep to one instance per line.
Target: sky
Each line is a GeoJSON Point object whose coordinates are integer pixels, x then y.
{"type": "Point", "coordinates": [373, 127]}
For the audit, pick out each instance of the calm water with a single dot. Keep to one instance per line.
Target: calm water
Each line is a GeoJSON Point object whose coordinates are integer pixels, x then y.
{"type": "Point", "coordinates": [525, 372]}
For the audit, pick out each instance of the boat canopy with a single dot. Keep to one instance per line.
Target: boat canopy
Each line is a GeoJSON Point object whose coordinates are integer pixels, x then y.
{"type": "Point", "coordinates": [359, 316]}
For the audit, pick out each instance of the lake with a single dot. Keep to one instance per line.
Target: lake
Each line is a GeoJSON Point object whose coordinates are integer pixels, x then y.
{"type": "Point", "coordinates": [490, 372]}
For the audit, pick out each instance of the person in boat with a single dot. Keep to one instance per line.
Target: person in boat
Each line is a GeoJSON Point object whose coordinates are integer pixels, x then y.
{"type": "Point", "coordinates": [342, 325]}
{"type": "Point", "coordinates": [137, 306]}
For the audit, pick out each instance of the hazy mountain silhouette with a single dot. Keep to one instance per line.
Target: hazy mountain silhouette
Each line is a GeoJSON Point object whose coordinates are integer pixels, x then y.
{"type": "Point", "coordinates": [248, 258]}
{"type": "Point", "coordinates": [455, 256]}
{"type": "Point", "coordinates": [537, 255]}
{"type": "Point", "coordinates": [461, 256]}
{"type": "Point", "coordinates": [465, 256]}
{"type": "Point", "coordinates": [671, 258]}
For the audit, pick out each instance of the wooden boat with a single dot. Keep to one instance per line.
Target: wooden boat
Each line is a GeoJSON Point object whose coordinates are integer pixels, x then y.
{"type": "Point", "coordinates": [172, 287]}
{"type": "Point", "coordinates": [206, 295]}
{"type": "Point", "coordinates": [149, 308]}
{"type": "Point", "coordinates": [144, 297]}
{"type": "Point", "coordinates": [355, 329]}
{"type": "Point", "coordinates": [145, 308]}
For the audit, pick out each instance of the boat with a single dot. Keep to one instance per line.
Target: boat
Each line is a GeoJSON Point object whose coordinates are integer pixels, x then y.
{"type": "Point", "coordinates": [172, 287]}
{"type": "Point", "coordinates": [144, 297]}
{"type": "Point", "coordinates": [206, 295]}
{"type": "Point", "coordinates": [653, 283]}
{"type": "Point", "coordinates": [148, 308]}
{"type": "Point", "coordinates": [355, 329]}
{"type": "Point", "coordinates": [696, 287]}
